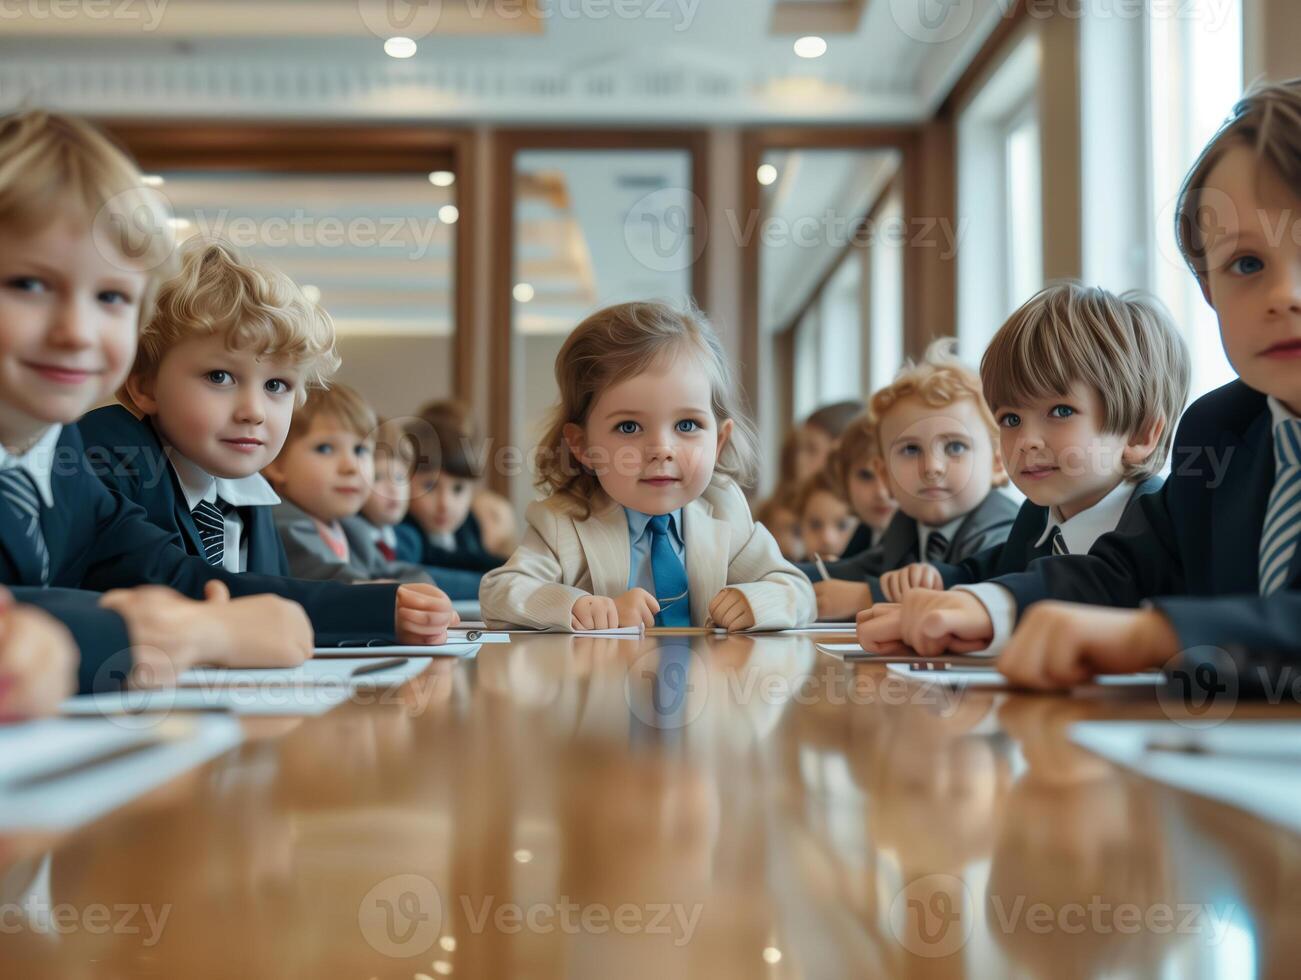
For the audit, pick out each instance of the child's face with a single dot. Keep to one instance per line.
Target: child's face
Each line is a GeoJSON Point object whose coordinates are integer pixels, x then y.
{"type": "Point", "coordinates": [387, 503]}
{"type": "Point", "coordinates": [440, 502]}
{"type": "Point", "coordinates": [228, 411]}
{"type": "Point", "coordinates": [940, 463]}
{"type": "Point", "coordinates": [327, 472]}
{"type": "Point", "coordinates": [869, 495]}
{"type": "Point", "coordinates": [1253, 253]}
{"type": "Point", "coordinates": [826, 525]}
{"type": "Point", "coordinates": [784, 525]}
{"type": "Point", "coordinates": [812, 448]}
{"type": "Point", "coordinates": [652, 439]}
{"type": "Point", "coordinates": [68, 321]}
{"type": "Point", "coordinates": [1057, 453]}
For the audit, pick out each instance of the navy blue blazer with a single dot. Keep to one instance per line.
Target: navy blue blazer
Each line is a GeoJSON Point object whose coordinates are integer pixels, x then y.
{"type": "Point", "coordinates": [1192, 549]}
{"type": "Point", "coordinates": [126, 454]}
{"type": "Point", "coordinates": [100, 635]}
{"type": "Point", "coordinates": [99, 540]}
{"type": "Point", "coordinates": [414, 546]}
{"type": "Point", "coordinates": [1016, 553]}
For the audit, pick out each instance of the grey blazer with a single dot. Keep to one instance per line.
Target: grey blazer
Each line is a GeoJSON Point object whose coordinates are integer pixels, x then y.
{"type": "Point", "coordinates": [311, 558]}
{"type": "Point", "coordinates": [984, 527]}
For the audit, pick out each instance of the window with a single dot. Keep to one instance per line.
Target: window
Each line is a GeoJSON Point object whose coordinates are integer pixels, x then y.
{"type": "Point", "coordinates": [1195, 76]}
{"type": "Point", "coordinates": [886, 295]}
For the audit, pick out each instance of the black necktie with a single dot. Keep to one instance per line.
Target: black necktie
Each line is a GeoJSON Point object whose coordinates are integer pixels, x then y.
{"type": "Point", "coordinates": [210, 519]}
{"type": "Point", "coordinates": [937, 545]}
{"type": "Point", "coordinates": [19, 491]}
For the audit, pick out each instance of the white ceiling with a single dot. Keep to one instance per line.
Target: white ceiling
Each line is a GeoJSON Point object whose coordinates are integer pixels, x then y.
{"type": "Point", "coordinates": [581, 60]}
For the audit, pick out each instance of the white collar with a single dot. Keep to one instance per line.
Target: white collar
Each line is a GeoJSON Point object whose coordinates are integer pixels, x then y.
{"type": "Point", "coordinates": [1088, 525]}
{"type": "Point", "coordinates": [38, 462]}
{"type": "Point", "coordinates": [1280, 412]}
{"type": "Point", "coordinates": [198, 484]}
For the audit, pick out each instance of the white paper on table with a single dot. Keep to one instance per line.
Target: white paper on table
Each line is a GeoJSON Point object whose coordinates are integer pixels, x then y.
{"type": "Point", "coordinates": [485, 636]}
{"type": "Point", "coordinates": [175, 746]}
{"type": "Point", "coordinates": [845, 651]}
{"type": "Point", "coordinates": [1265, 786]}
{"type": "Point", "coordinates": [322, 671]}
{"type": "Point", "coordinates": [823, 628]}
{"type": "Point", "coordinates": [465, 651]}
{"type": "Point", "coordinates": [151, 705]}
{"type": "Point", "coordinates": [989, 677]}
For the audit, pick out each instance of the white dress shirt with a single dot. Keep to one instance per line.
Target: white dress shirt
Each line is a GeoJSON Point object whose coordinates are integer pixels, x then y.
{"type": "Point", "coordinates": [249, 491]}
{"type": "Point", "coordinates": [1078, 534]}
{"type": "Point", "coordinates": [38, 462]}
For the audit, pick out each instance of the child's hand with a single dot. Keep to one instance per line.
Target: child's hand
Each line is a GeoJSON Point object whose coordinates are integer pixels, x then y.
{"type": "Point", "coordinates": [636, 607]}
{"type": "Point", "coordinates": [38, 661]}
{"type": "Point", "coordinates": [839, 599]}
{"type": "Point", "coordinates": [919, 575]}
{"type": "Point", "coordinates": [594, 612]}
{"type": "Point", "coordinates": [932, 623]}
{"type": "Point", "coordinates": [731, 611]}
{"type": "Point", "coordinates": [1061, 644]}
{"type": "Point", "coordinates": [880, 629]}
{"type": "Point", "coordinates": [424, 614]}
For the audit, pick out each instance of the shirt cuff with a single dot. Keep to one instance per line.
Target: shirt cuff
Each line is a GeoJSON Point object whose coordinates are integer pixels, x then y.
{"type": "Point", "coordinates": [1000, 603]}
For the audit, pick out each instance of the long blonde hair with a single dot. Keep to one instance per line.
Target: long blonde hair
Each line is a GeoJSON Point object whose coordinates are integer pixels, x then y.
{"type": "Point", "coordinates": [620, 342]}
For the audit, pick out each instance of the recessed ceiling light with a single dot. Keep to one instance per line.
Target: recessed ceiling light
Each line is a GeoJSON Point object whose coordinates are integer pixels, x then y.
{"type": "Point", "coordinates": [442, 178]}
{"type": "Point", "coordinates": [811, 47]}
{"type": "Point", "coordinates": [523, 293]}
{"type": "Point", "coordinates": [448, 214]}
{"type": "Point", "coordinates": [766, 174]}
{"type": "Point", "coordinates": [399, 47]}
{"type": "Point", "coordinates": [152, 180]}
{"type": "Point", "coordinates": [772, 955]}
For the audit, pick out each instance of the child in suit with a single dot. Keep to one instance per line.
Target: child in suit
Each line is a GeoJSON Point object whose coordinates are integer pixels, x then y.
{"type": "Point", "coordinates": [939, 456]}
{"type": "Point", "coordinates": [869, 494]}
{"type": "Point", "coordinates": [1086, 386]}
{"type": "Point", "coordinates": [441, 529]}
{"type": "Point", "coordinates": [79, 270]}
{"type": "Point", "coordinates": [1212, 557]}
{"type": "Point", "coordinates": [645, 523]}
{"type": "Point", "coordinates": [38, 661]}
{"type": "Point", "coordinates": [324, 474]}
{"type": "Point", "coordinates": [826, 520]}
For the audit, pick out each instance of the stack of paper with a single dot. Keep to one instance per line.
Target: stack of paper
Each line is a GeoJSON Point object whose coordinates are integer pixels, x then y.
{"type": "Point", "coordinates": [60, 773]}
{"type": "Point", "coordinates": [1251, 765]}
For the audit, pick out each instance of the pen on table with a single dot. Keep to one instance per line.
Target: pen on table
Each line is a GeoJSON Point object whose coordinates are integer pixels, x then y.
{"type": "Point", "coordinates": [1262, 753]}
{"type": "Point", "coordinates": [379, 665]}
{"type": "Point", "coordinates": [822, 566]}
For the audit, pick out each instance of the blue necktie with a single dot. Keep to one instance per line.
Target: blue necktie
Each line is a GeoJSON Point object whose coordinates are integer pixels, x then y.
{"type": "Point", "coordinates": [19, 491]}
{"type": "Point", "coordinates": [669, 575]}
{"type": "Point", "coordinates": [1278, 540]}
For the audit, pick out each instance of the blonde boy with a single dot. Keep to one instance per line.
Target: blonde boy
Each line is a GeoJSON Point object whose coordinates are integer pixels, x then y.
{"type": "Point", "coordinates": [1213, 556]}
{"type": "Point", "coordinates": [1085, 386]}
{"type": "Point", "coordinates": [939, 457]}
{"type": "Point", "coordinates": [79, 271]}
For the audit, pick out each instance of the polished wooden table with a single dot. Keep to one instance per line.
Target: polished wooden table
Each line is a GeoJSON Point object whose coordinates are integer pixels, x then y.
{"type": "Point", "coordinates": [665, 807]}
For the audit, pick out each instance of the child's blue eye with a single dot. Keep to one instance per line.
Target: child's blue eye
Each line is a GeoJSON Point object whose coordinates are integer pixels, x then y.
{"type": "Point", "coordinates": [114, 297]}
{"type": "Point", "coordinates": [688, 425]}
{"type": "Point", "coordinates": [27, 284]}
{"type": "Point", "coordinates": [325, 449]}
{"type": "Point", "coordinates": [908, 450]}
{"type": "Point", "coordinates": [627, 428]}
{"type": "Point", "coordinates": [277, 387]}
{"type": "Point", "coordinates": [956, 448]}
{"type": "Point", "coordinates": [1010, 421]}
{"type": "Point", "coordinates": [1246, 265]}
{"type": "Point", "coordinates": [219, 377]}
{"type": "Point", "coordinates": [1061, 412]}
{"type": "Point", "coordinates": [362, 450]}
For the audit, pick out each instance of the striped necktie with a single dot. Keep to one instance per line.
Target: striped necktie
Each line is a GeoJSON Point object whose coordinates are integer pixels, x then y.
{"type": "Point", "coordinates": [210, 519]}
{"type": "Point", "coordinates": [1059, 543]}
{"type": "Point", "coordinates": [19, 491]}
{"type": "Point", "coordinates": [937, 546]}
{"type": "Point", "coordinates": [1278, 540]}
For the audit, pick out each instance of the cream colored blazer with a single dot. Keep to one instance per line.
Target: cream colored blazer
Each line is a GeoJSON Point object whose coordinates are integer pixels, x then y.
{"type": "Point", "coordinates": [562, 559]}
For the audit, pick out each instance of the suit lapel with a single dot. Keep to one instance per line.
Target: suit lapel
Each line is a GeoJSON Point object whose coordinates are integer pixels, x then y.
{"type": "Point", "coordinates": [899, 543]}
{"type": "Point", "coordinates": [13, 535]}
{"type": "Point", "coordinates": [1238, 512]}
{"type": "Point", "coordinates": [708, 553]}
{"type": "Point", "coordinates": [604, 537]}
{"type": "Point", "coordinates": [184, 519]}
